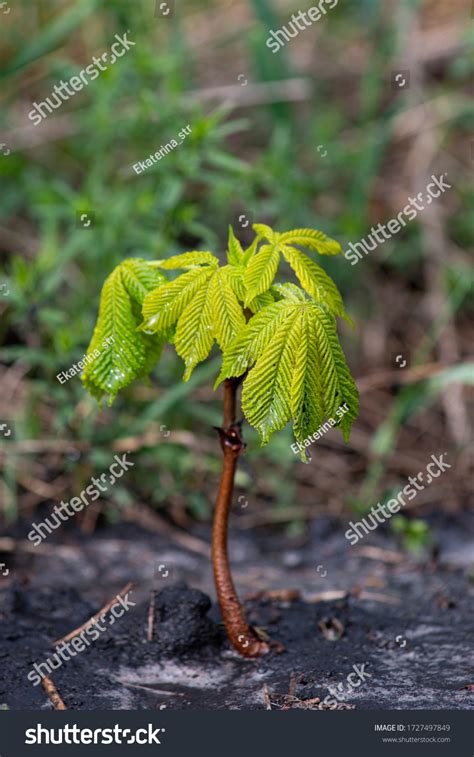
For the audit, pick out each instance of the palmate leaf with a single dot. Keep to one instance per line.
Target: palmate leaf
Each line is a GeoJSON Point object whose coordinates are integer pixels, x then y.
{"type": "Point", "coordinates": [297, 368]}
{"type": "Point", "coordinates": [124, 353]}
{"type": "Point", "coordinates": [203, 305]}
{"type": "Point", "coordinates": [283, 336]}
{"type": "Point", "coordinates": [262, 268]}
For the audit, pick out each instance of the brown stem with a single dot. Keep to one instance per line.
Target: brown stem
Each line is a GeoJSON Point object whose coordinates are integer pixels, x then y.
{"type": "Point", "coordinates": [242, 637]}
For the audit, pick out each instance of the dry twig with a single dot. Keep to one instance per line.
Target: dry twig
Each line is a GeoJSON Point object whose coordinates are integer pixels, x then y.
{"type": "Point", "coordinates": [373, 596]}
{"type": "Point", "coordinates": [152, 522]}
{"type": "Point", "coordinates": [95, 617]}
{"type": "Point", "coordinates": [163, 692]}
{"type": "Point", "coordinates": [384, 555]}
{"type": "Point", "coordinates": [325, 596]}
{"type": "Point", "coordinates": [266, 697]}
{"type": "Point", "coordinates": [275, 595]}
{"type": "Point", "coordinates": [151, 617]}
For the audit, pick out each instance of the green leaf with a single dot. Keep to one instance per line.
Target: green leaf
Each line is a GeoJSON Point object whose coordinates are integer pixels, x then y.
{"type": "Point", "coordinates": [235, 276]}
{"type": "Point", "coordinates": [252, 340]}
{"type": "Point", "coordinates": [261, 301]}
{"type": "Point", "coordinates": [289, 292]}
{"type": "Point", "coordinates": [315, 281]}
{"type": "Point", "coordinates": [140, 278]}
{"type": "Point", "coordinates": [297, 368]}
{"type": "Point", "coordinates": [120, 353]}
{"type": "Point", "coordinates": [250, 251]}
{"type": "Point", "coordinates": [289, 347]}
{"type": "Point", "coordinates": [194, 334]}
{"type": "Point", "coordinates": [262, 230]}
{"type": "Point", "coordinates": [261, 271]}
{"type": "Point", "coordinates": [235, 254]}
{"type": "Point", "coordinates": [262, 264]}
{"type": "Point", "coordinates": [203, 305]}
{"type": "Point", "coordinates": [339, 386]}
{"type": "Point", "coordinates": [188, 260]}
{"type": "Point", "coordinates": [265, 391]}
{"type": "Point", "coordinates": [228, 316]}
{"type": "Point", "coordinates": [312, 239]}
{"type": "Point", "coordinates": [307, 390]}
{"type": "Point", "coordinates": [236, 281]}
{"type": "Point", "coordinates": [163, 306]}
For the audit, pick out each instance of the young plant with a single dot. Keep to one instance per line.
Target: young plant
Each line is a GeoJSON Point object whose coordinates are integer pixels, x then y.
{"type": "Point", "coordinates": [278, 340]}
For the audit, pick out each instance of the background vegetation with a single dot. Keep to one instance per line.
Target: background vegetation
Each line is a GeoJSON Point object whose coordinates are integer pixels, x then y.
{"type": "Point", "coordinates": [316, 135]}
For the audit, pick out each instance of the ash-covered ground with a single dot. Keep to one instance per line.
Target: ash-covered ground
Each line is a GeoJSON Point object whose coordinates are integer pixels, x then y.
{"type": "Point", "coordinates": [408, 622]}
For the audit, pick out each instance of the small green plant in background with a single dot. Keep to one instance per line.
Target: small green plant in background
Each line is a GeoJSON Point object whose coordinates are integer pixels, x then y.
{"type": "Point", "coordinates": [414, 534]}
{"type": "Point", "coordinates": [279, 341]}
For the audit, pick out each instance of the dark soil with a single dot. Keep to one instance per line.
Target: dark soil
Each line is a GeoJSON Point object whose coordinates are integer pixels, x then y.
{"type": "Point", "coordinates": [409, 623]}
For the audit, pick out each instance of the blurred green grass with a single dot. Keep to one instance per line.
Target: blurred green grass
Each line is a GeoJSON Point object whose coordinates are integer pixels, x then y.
{"type": "Point", "coordinates": [261, 160]}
